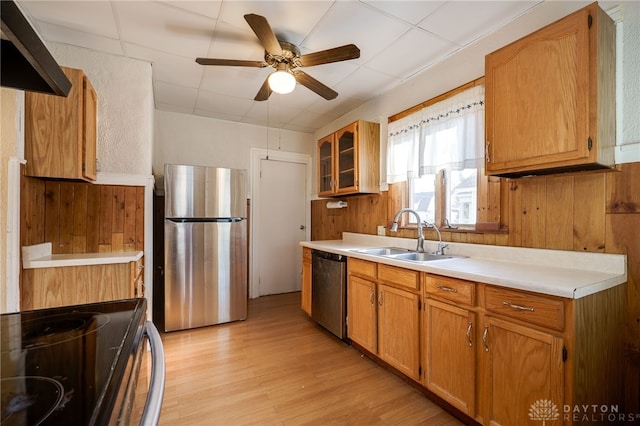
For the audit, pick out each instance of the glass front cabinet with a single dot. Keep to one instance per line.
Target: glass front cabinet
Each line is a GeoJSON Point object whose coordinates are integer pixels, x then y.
{"type": "Point", "coordinates": [349, 160]}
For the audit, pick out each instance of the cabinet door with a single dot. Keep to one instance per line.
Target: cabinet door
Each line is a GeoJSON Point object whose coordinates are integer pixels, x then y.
{"type": "Point", "coordinates": [398, 325]}
{"type": "Point", "coordinates": [326, 181]}
{"type": "Point", "coordinates": [525, 379]}
{"type": "Point", "coordinates": [537, 98]}
{"type": "Point", "coordinates": [306, 280]}
{"type": "Point", "coordinates": [450, 347]}
{"type": "Point", "coordinates": [361, 312]}
{"type": "Point", "coordinates": [60, 132]}
{"type": "Point", "coordinates": [89, 134]}
{"type": "Point", "coordinates": [346, 168]}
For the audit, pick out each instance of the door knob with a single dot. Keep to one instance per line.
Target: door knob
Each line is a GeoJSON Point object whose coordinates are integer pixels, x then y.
{"type": "Point", "coordinates": [302, 227]}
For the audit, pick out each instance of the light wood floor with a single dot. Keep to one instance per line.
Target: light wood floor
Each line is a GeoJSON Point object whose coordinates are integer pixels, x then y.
{"type": "Point", "coordinates": [280, 368]}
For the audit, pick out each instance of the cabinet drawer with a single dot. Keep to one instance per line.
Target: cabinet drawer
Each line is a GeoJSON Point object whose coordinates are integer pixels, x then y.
{"type": "Point", "coordinates": [306, 254]}
{"type": "Point", "coordinates": [399, 276]}
{"type": "Point", "coordinates": [536, 309]}
{"type": "Point", "coordinates": [460, 291]}
{"type": "Point", "coordinates": [362, 267]}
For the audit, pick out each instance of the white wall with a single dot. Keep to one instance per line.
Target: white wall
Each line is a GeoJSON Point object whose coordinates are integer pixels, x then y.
{"type": "Point", "coordinates": [631, 73]}
{"type": "Point", "coordinates": [125, 107]}
{"type": "Point", "coordinates": [188, 139]}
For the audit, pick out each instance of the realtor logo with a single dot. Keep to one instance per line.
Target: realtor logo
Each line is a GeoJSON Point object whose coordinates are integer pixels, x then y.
{"type": "Point", "coordinates": [543, 409]}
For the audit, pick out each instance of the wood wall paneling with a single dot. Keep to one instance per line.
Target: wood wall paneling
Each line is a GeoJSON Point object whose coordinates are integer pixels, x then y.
{"type": "Point", "coordinates": [80, 217]}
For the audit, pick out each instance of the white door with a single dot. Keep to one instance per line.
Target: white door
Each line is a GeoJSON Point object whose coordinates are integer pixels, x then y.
{"type": "Point", "coordinates": [281, 225]}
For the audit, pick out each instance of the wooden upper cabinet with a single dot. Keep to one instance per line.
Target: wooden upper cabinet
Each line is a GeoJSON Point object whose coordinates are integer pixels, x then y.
{"type": "Point", "coordinates": [61, 132]}
{"type": "Point", "coordinates": [550, 98]}
{"type": "Point", "coordinates": [349, 160]}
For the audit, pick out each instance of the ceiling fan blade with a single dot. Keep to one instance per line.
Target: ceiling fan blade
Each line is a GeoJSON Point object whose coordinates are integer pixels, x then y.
{"type": "Point", "coordinates": [265, 34]}
{"type": "Point", "coordinates": [231, 62]}
{"type": "Point", "coordinates": [264, 92]}
{"type": "Point", "coordinates": [314, 85]}
{"type": "Point", "coordinates": [337, 54]}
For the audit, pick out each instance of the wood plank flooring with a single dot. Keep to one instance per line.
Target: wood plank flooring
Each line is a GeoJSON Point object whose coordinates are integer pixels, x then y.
{"type": "Point", "coordinates": [280, 368]}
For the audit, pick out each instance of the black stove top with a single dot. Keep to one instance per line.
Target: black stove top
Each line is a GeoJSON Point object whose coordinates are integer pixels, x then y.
{"type": "Point", "coordinates": [66, 365]}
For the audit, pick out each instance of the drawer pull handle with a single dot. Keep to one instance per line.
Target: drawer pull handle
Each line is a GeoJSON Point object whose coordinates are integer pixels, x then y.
{"type": "Point", "coordinates": [372, 298]}
{"type": "Point", "coordinates": [469, 333]}
{"type": "Point", "coordinates": [449, 289]}
{"type": "Point", "coordinates": [521, 308]}
{"type": "Point", "coordinates": [484, 338]}
{"type": "Point", "coordinates": [380, 298]}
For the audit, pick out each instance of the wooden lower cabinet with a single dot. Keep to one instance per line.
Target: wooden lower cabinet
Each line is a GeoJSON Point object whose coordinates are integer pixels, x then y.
{"type": "Point", "coordinates": [385, 319]}
{"type": "Point", "coordinates": [449, 355]}
{"type": "Point", "coordinates": [399, 329]}
{"type": "Point", "coordinates": [306, 281]}
{"type": "Point", "coordinates": [525, 374]}
{"type": "Point", "coordinates": [362, 313]}
{"type": "Point", "coordinates": [501, 356]}
{"type": "Point", "coordinates": [75, 285]}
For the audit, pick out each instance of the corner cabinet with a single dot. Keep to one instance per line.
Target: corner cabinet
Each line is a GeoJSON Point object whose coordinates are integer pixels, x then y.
{"type": "Point", "coordinates": [349, 160]}
{"type": "Point", "coordinates": [550, 98]}
{"type": "Point", "coordinates": [61, 132]}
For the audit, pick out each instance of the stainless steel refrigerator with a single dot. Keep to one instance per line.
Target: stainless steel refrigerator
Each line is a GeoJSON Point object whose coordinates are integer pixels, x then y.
{"type": "Point", "coordinates": [205, 246]}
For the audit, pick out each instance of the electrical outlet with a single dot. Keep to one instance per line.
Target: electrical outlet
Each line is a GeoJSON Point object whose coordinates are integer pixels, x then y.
{"type": "Point", "coordinates": [381, 230]}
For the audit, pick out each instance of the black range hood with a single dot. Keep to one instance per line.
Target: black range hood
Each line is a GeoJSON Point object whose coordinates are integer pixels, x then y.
{"type": "Point", "coordinates": [25, 62]}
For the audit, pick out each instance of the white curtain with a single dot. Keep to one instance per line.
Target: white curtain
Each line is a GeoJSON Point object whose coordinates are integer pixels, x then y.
{"type": "Point", "coordinates": [448, 134]}
{"type": "Point", "coordinates": [402, 148]}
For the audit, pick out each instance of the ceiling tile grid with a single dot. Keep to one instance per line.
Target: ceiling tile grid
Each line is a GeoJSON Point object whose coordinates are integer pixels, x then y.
{"type": "Point", "coordinates": [397, 40]}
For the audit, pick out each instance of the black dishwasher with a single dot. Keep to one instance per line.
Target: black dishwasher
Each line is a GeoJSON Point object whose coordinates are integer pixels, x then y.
{"type": "Point", "coordinates": [329, 291]}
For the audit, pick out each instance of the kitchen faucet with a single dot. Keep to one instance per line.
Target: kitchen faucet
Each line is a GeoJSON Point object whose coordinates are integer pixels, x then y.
{"type": "Point", "coordinates": [394, 227]}
{"type": "Point", "coordinates": [441, 245]}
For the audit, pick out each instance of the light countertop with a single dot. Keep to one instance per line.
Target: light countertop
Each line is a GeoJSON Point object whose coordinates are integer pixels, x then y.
{"type": "Point", "coordinates": [39, 256]}
{"type": "Point", "coordinates": [560, 273]}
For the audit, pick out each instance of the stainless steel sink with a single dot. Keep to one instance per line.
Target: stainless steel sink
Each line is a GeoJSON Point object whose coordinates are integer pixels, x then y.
{"type": "Point", "coordinates": [404, 254]}
{"type": "Point", "coordinates": [383, 251]}
{"type": "Point", "coordinates": [421, 257]}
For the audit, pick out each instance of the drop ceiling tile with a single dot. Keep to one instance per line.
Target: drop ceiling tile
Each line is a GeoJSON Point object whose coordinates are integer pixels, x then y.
{"type": "Point", "coordinates": [173, 108]}
{"type": "Point", "coordinates": [410, 53]}
{"type": "Point", "coordinates": [168, 68]}
{"type": "Point", "coordinates": [181, 96]}
{"type": "Point", "coordinates": [465, 21]}
{"type": "Point", "coordinates": [353, 22]}
{"type": "Point", "coordinates": [162, 27]}
{"type": "Point", "coordinates": [58, 34]}
{"type": "Point", "coordinates": [290, 20]}
{"type": "Point", "coordinates": [231, 42]}
{"type": "Point", "coordinates": [409, 11]}
{"type": "Point", "coordinates": [365, 83]}
{"type": "Point", "coordinates": [208, 8]}
{"type": "Point", "coordinates": [222, 104]}
{"type": "Point", "coordinates": [234, 81]}
{"type": "Point", "coordinates": [89, 17]}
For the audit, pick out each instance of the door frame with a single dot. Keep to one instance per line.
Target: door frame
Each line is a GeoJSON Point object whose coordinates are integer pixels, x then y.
{"type": "Point", "coordinates": [257, 155]}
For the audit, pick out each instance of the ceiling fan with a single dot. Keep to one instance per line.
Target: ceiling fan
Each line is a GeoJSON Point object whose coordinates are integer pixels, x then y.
{"type": "Point", "coordinates": [286, 59]}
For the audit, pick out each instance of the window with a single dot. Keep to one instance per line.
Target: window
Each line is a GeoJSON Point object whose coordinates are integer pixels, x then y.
{"type": "Point", "coordinates": [438, 151]}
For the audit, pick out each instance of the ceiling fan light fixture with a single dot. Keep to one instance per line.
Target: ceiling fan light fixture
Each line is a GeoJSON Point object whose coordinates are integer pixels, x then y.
{"type": "Point", "coordinates": [282, 81]}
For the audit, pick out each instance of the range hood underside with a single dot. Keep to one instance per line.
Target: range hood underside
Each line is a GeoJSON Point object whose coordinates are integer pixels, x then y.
{"type": "Point", "coordinates": [26, 62]}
